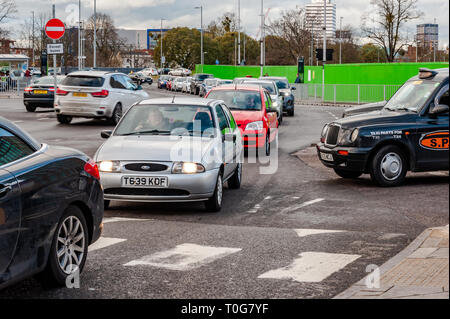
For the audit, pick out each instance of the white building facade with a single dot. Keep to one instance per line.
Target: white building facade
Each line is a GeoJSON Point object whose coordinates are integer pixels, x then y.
{"type": "Point", "coordinates": [315, 18]}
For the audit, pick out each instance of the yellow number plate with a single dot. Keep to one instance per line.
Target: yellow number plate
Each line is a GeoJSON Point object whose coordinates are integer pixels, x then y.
{"type": "Point", "coordinates": [80, 94]}
{"type": "Point", "coordinates": [40, 91]}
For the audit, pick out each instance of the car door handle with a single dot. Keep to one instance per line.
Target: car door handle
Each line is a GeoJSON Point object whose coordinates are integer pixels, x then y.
{"type": "Point", "coordinates": [4, 190]}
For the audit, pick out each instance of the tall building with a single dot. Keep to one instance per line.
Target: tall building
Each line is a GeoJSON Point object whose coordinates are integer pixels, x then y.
{"type": "Point", "coordinates": [135, 38]}
{"type": "Point", "coordinates": [315, 21]}
{"type": "Point", "coordinates": [427, 36]}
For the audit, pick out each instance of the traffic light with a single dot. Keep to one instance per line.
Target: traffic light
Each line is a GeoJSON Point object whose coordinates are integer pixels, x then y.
{"type": "Point", "coordinates": [301, 65]}
{"type": "Point", "coordinates": [329, 54]}
{"type": "Point", "coordinates": [44, 63]}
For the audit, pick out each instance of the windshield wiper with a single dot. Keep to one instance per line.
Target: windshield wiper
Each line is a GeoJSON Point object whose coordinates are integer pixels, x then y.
{"type": "Point", "coordinates": [400, 109]}
{"type": "Point", "coordinates": [154, 132]}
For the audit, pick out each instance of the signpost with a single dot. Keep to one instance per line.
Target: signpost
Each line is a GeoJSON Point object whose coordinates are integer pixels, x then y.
{"type": "Point", "coordinates": [55, 29]}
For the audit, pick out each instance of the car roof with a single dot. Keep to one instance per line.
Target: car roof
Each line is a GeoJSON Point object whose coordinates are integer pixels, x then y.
{"type": "Point", "coordinates": [260, 81]}
{"type": "Point", "coordinates": [10, 126]}
{"type": "Point", "coordinates": [179, 101]}
{"type": "Point", "coordinates": [92, 73]}
{"type": "Point", "coordinates": [273, 78]}
{"type": "Point", "coordinates": [238, 87]}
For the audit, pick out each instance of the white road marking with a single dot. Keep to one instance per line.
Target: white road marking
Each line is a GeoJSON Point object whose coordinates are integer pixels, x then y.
{"type": "Point", "coordinates": [311, 267]}
{"type": "Point", "coordinates": [257, 207]}
{"type": "Point", "coordinates": [184, 257]}
{"type": "Point", "coordinates": [294, 208]}
{"type": "Point", "coordinates": [104, 242]}
{"type": "Point", "coordinates": [17, 122]}
{"type": "Point", "coordinates": [122, 219]}
{"type": "Point", "coordinates": [308, 232]}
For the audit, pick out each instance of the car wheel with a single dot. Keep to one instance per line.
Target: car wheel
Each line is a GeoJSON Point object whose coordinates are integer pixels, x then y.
{"type": "Point", "coordinates": [280, 119]}
{"type": "Point", "coordinates": [117, 114]}
{"type": "Point", "coordinates": [389, 166]}
{"type": "Point", "coordinates": [347, 174]}
{"type": "Point", "coordinates": [214, 204]}
{"type": "Point", "coordinates": [69, 248]}
{"type": "Point", "coordinates": [266, 148]}
{"type": "Point", "coordinates": [64, 119]}
{"type": "Point", "coordinates": [106, 204]}
{"type": "Point", "coordinates": [30, 108]}
{"type": "Point", "coordinates": [235, 181]}
{"type": "Point", "coordinates": [291, 111]}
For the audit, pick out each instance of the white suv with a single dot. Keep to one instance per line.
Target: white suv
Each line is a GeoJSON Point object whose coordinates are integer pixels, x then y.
{"type": "Point", "coordinates": [96, 94]}
{"type": "Point", "coordinates": [150, 71]}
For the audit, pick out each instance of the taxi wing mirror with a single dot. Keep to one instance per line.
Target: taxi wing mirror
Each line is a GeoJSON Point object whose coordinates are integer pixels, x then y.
{"type": "Point", "coordinates": [439, 109]}
{"type": "Point", "coordinates": [105, 134]}
{"type": "Point", "coordinates": [293, 88]}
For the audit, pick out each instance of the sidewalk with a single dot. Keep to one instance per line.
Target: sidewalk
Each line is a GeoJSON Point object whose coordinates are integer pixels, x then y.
{"type": "Point", "coordinates": [421, 271]}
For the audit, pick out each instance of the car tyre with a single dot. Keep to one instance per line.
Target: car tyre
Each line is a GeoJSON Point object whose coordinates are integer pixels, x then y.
{"type": "Point", "coordinates": [64, 119]}
{"type": "Point", "coordinates": [389, 166]}
{"type": "Point", "coordinates": [54, 274]}
{"type": "Point", "coordinates": [30, 108]}
{"type": "Point", "coordinates": [291, 111]}
{"type": "Point", "coordinates": [235, 181]}
{"type": "Point", "coordinates": [347, 174]}
{"type": "Point", "coordinates": [214, 204]}
{"type": "Point", "coordinates": [117, 114]}
{"type": "Point", "coordinates": [266, 148]}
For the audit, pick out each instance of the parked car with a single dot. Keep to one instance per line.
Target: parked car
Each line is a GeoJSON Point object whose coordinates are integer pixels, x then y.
{"type": "Point", "coordinates": [141, 77]}
{"type": "Point", "coordinates": [197, 80]}
{"type": "Point", "coordinates": [96, 94]}
{"type": "Point", "coordinates": [242, 79]}
{"type": "Point", "coordinates": [170, 150]}
{"type": "Point", "coordinates": [409, 134]}
{"type": "Point", "coordinates": [51, 208]}
{"type": "Point", "coordinates": [177, 84]}
{"type": "Point", "coordinates": [41, 93]}
{"type": "Point", "coordinates": [162, 81]}
{"type": "Point", "coordinates": [207, 85]}
{"type": "Point", "coordinates": [170, 82]}
{"type": "Point", "coordinates": [180, 72]}
{"type": "Point", "coordinates": [150, 72]}
{"type": "Point", "coordinates": [285, 89]}
{"type": "Point", "coordinates": [187, 85]}
{"type": "Point", "coordinates": [164, 71]}
{"type": "Point", "coordinates": [254, 113]}
{"type": "Point", "coordinates": [275, 95]}
{"type": "Point", "coordinates": [365, 108]}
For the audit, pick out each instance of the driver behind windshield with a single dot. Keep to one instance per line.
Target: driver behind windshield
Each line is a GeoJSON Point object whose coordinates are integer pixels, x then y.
{"type": "Point", "coordinates": [154, 121]}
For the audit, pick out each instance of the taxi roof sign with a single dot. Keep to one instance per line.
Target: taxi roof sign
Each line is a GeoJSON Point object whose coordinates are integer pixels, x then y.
{"type": "Point", "coordinates": [425, 73]}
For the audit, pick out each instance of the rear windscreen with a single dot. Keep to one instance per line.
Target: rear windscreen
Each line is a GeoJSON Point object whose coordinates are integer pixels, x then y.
{"type": "Point", "coordinates": [85, 81]}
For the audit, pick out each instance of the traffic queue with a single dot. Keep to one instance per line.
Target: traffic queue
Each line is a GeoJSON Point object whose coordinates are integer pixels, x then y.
{"type": "Point", "coordinates": [183, 149]}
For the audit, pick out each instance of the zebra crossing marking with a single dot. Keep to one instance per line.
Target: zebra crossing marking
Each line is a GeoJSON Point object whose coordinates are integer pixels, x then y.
{"type": "Point", "coordinates": [184, 257]}
{"type": "Point", "coordinates": [308, 232]}
{"type": "Point", "coordinates": [311, 267]}
{"type": "Point", "coordinates": [104, 242]}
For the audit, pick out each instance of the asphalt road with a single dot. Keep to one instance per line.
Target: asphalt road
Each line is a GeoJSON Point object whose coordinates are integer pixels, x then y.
{"type": "Point", "coordinates": [300, 232]}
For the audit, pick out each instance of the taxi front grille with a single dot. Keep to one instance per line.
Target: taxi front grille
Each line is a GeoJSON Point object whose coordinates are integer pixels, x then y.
{"type": "Point", "coordinates": [332, 135]}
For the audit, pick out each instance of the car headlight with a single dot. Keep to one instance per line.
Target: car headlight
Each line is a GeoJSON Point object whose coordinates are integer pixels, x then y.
{"type": "Point", "coordinates": [348, 136]}
{"type": "Point", "coordinates": [109, 166]}
{"type": "Point", "coordinates": [254, 126]}
{"type": "Point", "coordinates": [187, 168]}
{"type": "Point", "coordinates": [323, 134]}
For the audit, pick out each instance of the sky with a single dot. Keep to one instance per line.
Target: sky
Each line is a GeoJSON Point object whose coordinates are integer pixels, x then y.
{"type": "Point", "coordinates": [146, 14]}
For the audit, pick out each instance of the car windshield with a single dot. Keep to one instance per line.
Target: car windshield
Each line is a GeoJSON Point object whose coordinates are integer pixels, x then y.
{"type": "Point", "coordinates": [166, 120]}
{"type": "Point", "coordinates": [201, 77]}
{"type": "Point", "coordinates": [85, 81]}
{"type": "Point", "coordinates": [238, 100]}
{"type": "Point", "coordinates": [48, 80]}
{"type": "Point", "coordinates": [411, 96]}
{"type": "Point", "coordinates": [282, 84]}
{"type": "Point", "coordinates": [210, 82]}
{"type": "Point", "coordinates": [164, 77]}
{"type": "Point", "coordinates": [268, 86]}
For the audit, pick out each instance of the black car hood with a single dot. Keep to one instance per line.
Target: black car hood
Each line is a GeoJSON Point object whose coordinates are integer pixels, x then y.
{"type": "Point", "coordinates": [377, 117]}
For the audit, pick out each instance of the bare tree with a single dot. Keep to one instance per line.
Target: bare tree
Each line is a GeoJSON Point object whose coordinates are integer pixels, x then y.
{"type": "Point", "coordinates": [384, 23]}
{"type": "Point", "coordinates": [7, 10]}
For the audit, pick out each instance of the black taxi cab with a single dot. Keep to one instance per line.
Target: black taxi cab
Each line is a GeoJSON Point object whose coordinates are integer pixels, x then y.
{"type": "Point", "coordinates": [410, 133]}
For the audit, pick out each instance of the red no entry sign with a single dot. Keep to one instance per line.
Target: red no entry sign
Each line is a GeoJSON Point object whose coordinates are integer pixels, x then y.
{"type": "Point", "coordinates": [55, 29]}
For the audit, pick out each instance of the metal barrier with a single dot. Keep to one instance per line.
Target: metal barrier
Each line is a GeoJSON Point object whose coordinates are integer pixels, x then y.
{"type": "Point", "coordinates": [343, 93]}
{"type": "Point", "coordinates": [13, 87]}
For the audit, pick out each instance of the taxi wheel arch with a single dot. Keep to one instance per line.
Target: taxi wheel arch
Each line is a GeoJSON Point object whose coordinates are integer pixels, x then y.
{"type": "Point", "coordinates": [407, 153]}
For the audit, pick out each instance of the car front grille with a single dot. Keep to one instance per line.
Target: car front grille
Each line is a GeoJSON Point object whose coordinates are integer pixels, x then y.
{"type": "Point", "coordinates": [146, 192]}
{"type": "Point", "coordinates": [146, 167]}
{"type": "Point", "coordinates": [332, 135]}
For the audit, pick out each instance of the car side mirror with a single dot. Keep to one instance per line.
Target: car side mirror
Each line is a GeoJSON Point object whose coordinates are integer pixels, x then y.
{"type": "Point", "coordinates": [439, 109]}
{"type": "Point", "coordinates": [105, 134]}
{"type": "Point", "coordinates": [293, 88]}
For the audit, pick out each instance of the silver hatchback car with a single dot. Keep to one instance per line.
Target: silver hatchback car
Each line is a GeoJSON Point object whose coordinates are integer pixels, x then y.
{"type": "Point", "coordinates": [172, 149]}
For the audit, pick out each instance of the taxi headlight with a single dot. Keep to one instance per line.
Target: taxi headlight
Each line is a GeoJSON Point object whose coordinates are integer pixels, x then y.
{"type": "Point", "coordinates": [347, 136]}
{"type": "Point", "coordinates": [109, 166]}
{"type": "Point", "coordinates": [354, 135]}
{"type": "Point", "coordinates": [187, 168]}
{"type": "Point", "coordinates": [324, 131]}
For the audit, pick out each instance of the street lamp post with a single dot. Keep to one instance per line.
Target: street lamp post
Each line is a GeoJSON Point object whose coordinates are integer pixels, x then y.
{"type": "Point", "coordinates": [239, 31]}
{"type": "Point", "coordinates": [202, 57]}
{"type": "Point", "coordinates": [340, 41]}
{"type": "Point", "coordinates": [161, 56]}
{"type": "Point", "coordinates": [324, 46]}
{"type": "Point", "coordinates": [95, 33]}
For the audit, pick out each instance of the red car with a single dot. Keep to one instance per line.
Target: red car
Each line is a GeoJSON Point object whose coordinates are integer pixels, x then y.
{"type": "Point", "coordinates": [252, 109]}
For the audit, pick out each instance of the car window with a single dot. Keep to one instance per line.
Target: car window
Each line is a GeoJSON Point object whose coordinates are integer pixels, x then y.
{"type": "Point", "coordinates": [82, 80]}
{"type": "Point", "coordinates": [246, 100]}
{"type": "Point", "coordinates": [12, 147]}
{"type": "Point", "coordinates": [268, 100]}
{"type": "Point", "coordinates": [444, 98]}
{"type": "Point", "coordinates": [129, 85]}
{"type": "Point", "coordinates": [412, 95]}
{"type": "Point", "coordinates": [116, 82]}
{"type": "Point", "coordinates": [223, 122]}
{"type": "Point", "coordinates": [230, 117]}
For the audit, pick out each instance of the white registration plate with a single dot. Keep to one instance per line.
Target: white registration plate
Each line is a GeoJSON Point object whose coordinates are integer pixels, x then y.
{"type": "Point", "coordinates": [326, 157]}
{"type": "Point", "coordinates": [145, 181]}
